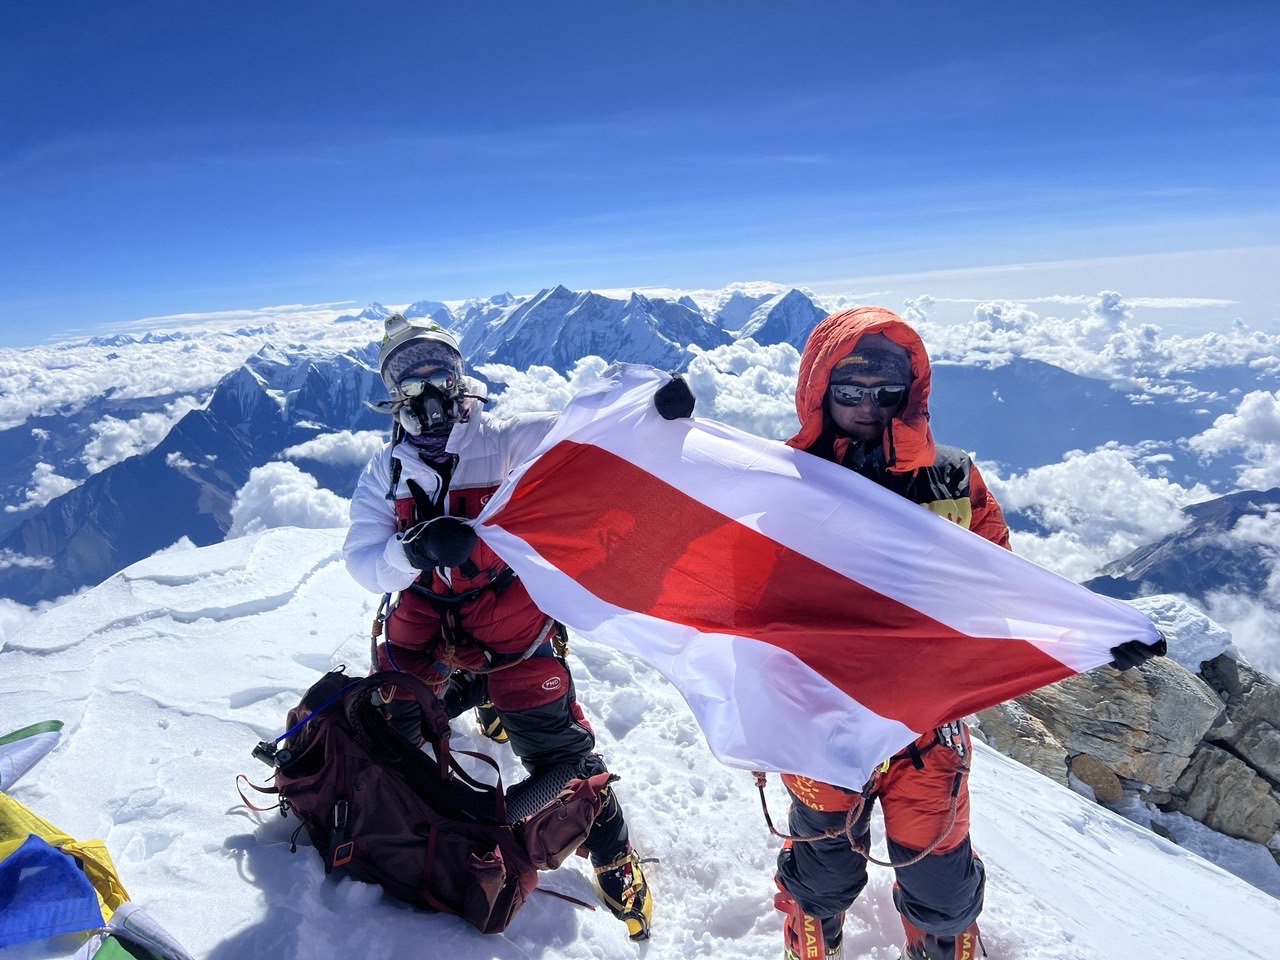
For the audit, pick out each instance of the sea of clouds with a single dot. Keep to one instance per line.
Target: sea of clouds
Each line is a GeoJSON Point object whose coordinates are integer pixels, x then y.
{"type": "Point", "coordinates": [1091, 508]}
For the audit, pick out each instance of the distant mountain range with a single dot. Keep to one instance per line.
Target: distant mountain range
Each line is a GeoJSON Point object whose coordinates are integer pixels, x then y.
{"type": "Point", "coordinates": [59, 440]}
{"type": "Point", "coordinates": [126, 340]}
{"type": "Point", "coordinates": [1022, 413]}
{"type": "Point", "coordinates": [1201, 558]}
{"type": "Point", "coordinates": [1027, 413]}
{"type": "Point", "coordinates": [185, 486]}
{"type": "Point", "coordinates": [557, 326]}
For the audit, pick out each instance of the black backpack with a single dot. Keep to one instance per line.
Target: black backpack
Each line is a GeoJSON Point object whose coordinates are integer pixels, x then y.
{"type": "Point", "coordinates": [412, 820]}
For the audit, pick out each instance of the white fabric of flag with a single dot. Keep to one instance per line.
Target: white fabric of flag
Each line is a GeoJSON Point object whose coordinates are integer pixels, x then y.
{"type": "Point", "coordinates": [815, 622]}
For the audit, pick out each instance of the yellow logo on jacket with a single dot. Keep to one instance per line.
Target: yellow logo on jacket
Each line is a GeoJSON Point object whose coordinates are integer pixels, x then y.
{"type": "Point", "coordinates": [958, 511]}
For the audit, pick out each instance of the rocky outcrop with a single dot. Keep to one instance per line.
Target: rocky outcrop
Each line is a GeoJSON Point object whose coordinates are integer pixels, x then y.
{"type": "Point", "coordinates": [1232, 780]}
{"type": "Point", "coordinates": [1142, 724]}
{"type": "Point", "coordinates": [1253, 709]}
{"type": "Point", "coordinates": [1017, 734]}
{"type": "Point", "coordinates": [1225, 793]}
{"type": "Point", "coordinates": [1203, 744]}
{"type": "Point", "coordinates": [1097, 776]}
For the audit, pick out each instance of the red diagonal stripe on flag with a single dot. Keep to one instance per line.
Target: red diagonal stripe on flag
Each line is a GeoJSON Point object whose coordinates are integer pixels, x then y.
{"type": "Point", "coordinates": [639, 543]}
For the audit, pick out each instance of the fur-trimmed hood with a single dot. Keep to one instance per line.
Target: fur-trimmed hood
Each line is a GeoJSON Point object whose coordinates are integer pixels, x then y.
{"type": "Point", "coordinates": [908, 442]}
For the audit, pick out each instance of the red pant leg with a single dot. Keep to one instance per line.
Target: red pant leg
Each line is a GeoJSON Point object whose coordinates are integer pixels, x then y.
{"type": "Point", "coordinates": [917, 801]}
{"type": "Point", "coordinates": [942, 893]}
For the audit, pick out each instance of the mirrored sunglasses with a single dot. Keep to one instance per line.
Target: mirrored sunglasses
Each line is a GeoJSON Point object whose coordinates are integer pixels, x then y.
{"type": "Point", "coordinates": [442, 381]}
{"type": "Point", "coordinates": [850, 395]}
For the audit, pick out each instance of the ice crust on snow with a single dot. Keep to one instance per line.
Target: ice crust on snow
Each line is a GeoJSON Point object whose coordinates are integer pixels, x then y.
{"type": "Point", "coordinates": [162, 709]}
{"type": "Point", "coordinates": [1193, 637]}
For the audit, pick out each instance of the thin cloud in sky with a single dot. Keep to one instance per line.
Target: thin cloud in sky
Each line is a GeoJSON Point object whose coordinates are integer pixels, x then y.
{"type": "Point", "coordinates": [248, 314]}
{"type": "Point", "coordinates": [1028, 266]}
{"type": "Point", "coordinates": [1155, 303]}
{"type": "Point", "coordinates": [1194, 290]}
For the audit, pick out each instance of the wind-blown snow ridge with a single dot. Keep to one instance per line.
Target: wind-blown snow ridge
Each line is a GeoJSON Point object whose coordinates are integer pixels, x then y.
{"type": "Point", "coordinates": [162, 714]}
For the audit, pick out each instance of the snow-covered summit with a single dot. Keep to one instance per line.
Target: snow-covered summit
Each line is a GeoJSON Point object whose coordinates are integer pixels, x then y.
{"type": "Point", "coordinates": [434, 309]}
{"type": "Point", "coordinates": [374, 311]}
{"type": "Point", "coordinates": [302, 384]}
{"type": "Point", "coordinates": [729, 307]}
{"type": "Point", "coordinates": [784, 318]}
{"type": "Point", "coordinates": [1193, 637]}
{"type": "Point", "coordinates": [168, 674]}
{"type": "Point", "coordinates": [558, 326]}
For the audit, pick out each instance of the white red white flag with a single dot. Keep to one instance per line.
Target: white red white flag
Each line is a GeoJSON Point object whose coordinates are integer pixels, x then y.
{"type": "Point", "coordinates": [815, 622]}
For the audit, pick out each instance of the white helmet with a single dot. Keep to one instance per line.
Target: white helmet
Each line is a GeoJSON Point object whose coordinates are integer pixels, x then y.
{"type": "Point", "coordinates": [412, 346]}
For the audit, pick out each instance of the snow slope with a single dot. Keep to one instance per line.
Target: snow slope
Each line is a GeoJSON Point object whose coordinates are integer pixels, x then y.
{"type": "Point", "coordinates": [168, 673]}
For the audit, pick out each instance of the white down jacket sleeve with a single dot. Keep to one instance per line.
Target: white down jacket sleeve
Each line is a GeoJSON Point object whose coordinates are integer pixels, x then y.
{"type": "Point", "coordinates": [487, 449]}
{"type": "Point", "coordinates": [371, 550]}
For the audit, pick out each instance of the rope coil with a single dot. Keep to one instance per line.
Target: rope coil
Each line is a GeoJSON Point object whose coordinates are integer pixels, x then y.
{"type": "Point", "coordinates": [855, 814]}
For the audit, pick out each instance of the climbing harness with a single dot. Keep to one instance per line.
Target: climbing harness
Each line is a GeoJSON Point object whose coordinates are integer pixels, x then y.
{"type": "Point", "coordinates": [949, 735]}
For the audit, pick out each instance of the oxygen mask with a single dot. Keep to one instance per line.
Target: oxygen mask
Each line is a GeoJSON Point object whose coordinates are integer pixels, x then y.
{"type": "Point", "coordinates": [427, 404]}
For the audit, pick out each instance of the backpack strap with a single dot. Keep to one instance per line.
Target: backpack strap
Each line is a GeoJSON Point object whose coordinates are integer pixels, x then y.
{"type": "Point", "coordinates": [499, 798]}
{"type": "Point", "coordinates": [279, 804]}
{"type": "Point", "coordinates": [397, 434]}
{"type": "Point", "coordinates": [433, 713]}
{"type": "Point", "coordinates": [424, 507]}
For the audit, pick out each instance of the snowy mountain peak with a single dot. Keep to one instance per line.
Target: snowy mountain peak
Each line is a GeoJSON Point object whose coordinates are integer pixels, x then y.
{"type": "Point", "coordinates": [374, 311]}
{"type": "Point", "coordinates": [152, 337]}
{"type": "Point", "coordinates": [472, 315]}
{"type": "Point", "coordinates": [268, 329]}
{"type": "Point", "coordinates": [434, 309]}
{"type": "Point", "coordinates": [558, 295]}
{"type": "Point", "coordinates": [559, 292]}
{"type": "Point", "coordinates": [115, 340]}
{"type": "Point", "coordinates": [783, 318]}
{"type": "Point", "coordinates": [558, 326]}
{"type": "Point", "coordinates": [734, 304]}
{"type": "Point", "coordinates": [242, 395]}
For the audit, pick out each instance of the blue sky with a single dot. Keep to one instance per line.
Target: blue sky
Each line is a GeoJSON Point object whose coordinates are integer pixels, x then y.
{"type": "Point", "coordinates": [159, 157]}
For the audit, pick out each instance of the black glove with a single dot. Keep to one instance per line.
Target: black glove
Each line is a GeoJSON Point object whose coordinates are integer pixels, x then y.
{"type": "Point", "coordinates": [674, 399]}
{"type": "Point", "coordinates": [405, 718]}
{"type": "Point", "coordinates": [462, 691]}
{"type": "Point", "coordinates": [1133, 652]}
{"type": "Point", "coordinates": [443, 542]}
{"type": "Point", "coordinates": [415, 551]}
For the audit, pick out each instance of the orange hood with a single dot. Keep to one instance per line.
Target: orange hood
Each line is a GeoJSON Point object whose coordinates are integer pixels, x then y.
{"type": "Point", "coordinates": [908, 433]}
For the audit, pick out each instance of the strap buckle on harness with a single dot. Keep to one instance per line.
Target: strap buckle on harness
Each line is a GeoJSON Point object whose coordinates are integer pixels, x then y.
{"type": "Point", "coordinates": [869, 788]}
{"type": "Point", "coordinates": [951, 736]}
{"type": "Point", "coordinates": [499, 580]}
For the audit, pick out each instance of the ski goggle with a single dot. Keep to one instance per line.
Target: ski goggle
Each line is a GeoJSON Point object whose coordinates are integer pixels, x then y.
{"type": "Point", "coordinates": [888, 395]}
{"type": "Point", "coordinates": [444, 382]}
